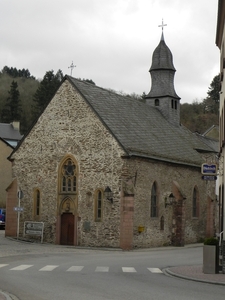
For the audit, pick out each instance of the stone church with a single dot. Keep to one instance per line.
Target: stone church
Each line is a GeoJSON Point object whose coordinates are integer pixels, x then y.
{"type": "Point", "coordinates": [102, 169]}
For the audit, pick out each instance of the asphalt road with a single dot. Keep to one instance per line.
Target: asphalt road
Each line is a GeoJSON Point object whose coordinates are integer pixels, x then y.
{"type": "Point", "coordinates": [44, 272]}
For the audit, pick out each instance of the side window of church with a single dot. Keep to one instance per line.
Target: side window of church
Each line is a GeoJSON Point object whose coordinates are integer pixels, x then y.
{"type": "Point", "coordinates": [98, 206]}
{"type": "Point", "coordinates": [156, 102]}
{"type": "Point", "coordinates": [68, 177]}
{"type": "Point", "coordinates": [37, 203]}
{"type": "Point", "coordinates": [154, 204]}
{"type": "Point", "coordinates": [195, 203]}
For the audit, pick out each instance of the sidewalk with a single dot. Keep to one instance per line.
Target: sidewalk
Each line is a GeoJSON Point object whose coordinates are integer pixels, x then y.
{"type": "Point", "coordinates": [195, 273]}
{"type": "Point", "coordinates": [6, 296]}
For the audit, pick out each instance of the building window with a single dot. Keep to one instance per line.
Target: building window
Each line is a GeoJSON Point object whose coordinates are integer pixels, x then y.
{"type": "Point", "coordinates": [98, 206]}
{"type": "Point", "coordinates": [37, 203]}
{"type": "Point", "coordinates": [154, 209]}
{"type": "Point", "coordinates": [172, 103]}
{"type": "Point", "coordinates": [195, 203]}
{"type": "Point", "coordinates": [175, 102]}
{"type": "Point", "coordinates": [162, 223]}
{"type": "Point", "coordinates": [156, 102]}
{"type": "Point", "coordinates": [68, 177]}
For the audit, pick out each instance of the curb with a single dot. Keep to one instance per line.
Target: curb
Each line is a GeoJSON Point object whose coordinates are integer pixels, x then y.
{"type": "Point", "coordinates": [168, 272]}
{"type": "Point", "coordinates": [7, 296]}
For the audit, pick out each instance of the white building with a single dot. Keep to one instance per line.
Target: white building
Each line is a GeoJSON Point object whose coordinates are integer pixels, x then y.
{"type": "Point", "coordinates": [220, 42]}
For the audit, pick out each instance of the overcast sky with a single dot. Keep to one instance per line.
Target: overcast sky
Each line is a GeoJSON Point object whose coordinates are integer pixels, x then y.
{"type": "Point", "coordinates": [112, 41]}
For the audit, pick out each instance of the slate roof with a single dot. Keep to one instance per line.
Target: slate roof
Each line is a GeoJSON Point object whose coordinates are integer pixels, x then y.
{"type": "Point", "coordinates": [162, 72]}
{"type": "Point", "coordinates": [162, 57]}
{"type": "Point", "coordinates": [212, 143]}
{"type": "Point", "coordinates": [8, 132]}
{"type": "Point", "coordinates": [140, 128]}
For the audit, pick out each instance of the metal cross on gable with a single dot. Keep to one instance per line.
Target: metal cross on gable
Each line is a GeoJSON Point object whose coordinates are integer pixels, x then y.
{"type": "Point", "coordinates": [71, 67]}
{"type": "Point", "coordinates": [162, 25]}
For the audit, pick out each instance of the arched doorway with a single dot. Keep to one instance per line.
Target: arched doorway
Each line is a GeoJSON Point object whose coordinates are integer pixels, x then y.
{"type": "Point", "coordinates": [67, 229]}
{"type": "Point", "coordinates": [67, 203]}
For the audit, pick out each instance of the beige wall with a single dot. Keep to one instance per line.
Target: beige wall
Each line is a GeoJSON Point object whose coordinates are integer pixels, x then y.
{"type": "Point", "coordinates": [5, 171]}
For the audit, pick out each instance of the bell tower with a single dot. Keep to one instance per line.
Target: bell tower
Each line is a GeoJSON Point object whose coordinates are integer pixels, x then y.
{"type": "Point", "coordinates": [162, 94]}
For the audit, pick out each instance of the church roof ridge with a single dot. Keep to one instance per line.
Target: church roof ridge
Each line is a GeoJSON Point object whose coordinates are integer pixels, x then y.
{"type": "Point", "coordinates": [142, 129]}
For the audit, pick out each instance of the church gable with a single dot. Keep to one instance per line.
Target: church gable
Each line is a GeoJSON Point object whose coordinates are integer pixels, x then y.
{"type": "Point", "coordinates": [68, 128]}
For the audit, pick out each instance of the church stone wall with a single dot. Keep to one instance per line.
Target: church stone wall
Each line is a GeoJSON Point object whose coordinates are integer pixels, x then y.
{"type": "Point", "coordinates": [70, 127]}
{"type": "Point", "coordinates": [164, 174]}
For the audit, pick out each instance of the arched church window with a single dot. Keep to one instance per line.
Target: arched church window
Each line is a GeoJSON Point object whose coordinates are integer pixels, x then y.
{"type": "Point", "coordinates": [175, 102]}
{"type": "Point", "coordinates": [195, 203]}
{"type": "Point", "coordinates": [156, 102]}
{"type": "Point", "coordinates": [162, 223]}
{"type": "Point", "coordinates": [68, 177]}
{"type": "Point", "coordinates": [37, 203]}
{"type": "Point", "coordinates": [98, 205]}
{"type": "Point", "coordinates": [154, 204]}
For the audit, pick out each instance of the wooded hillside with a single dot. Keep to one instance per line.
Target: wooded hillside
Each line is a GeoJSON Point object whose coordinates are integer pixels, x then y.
{"type": "Point", "coordinates": [23, 97]}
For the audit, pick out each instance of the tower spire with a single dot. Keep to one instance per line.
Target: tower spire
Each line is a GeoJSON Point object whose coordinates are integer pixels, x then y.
{"type": "Point", "coordinates": [162, 93]}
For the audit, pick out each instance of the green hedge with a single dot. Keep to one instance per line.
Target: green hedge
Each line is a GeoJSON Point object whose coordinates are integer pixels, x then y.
{"type": "Point", "coordinates": [211, 241]}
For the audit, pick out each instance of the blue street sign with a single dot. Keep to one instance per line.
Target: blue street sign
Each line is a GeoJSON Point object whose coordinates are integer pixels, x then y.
{"type": "Point", "coordinates": [209, 169]}
{"type": "Point", "coordinates": [208, 177]}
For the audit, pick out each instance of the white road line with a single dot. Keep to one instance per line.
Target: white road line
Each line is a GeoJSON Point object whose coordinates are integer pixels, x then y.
{"type": "Point", "coordinates": [102, 269]}
{"type": "Point", "coordinates": [129, 269]}
{"type": "Point", "coordinates": [21, 267]}
{"type": "Point", "coordinates": [48, 268]}
{"type": "Point", "coordinates": [155, 270]}
{"type": "Point", "coordinates": [75, 269]}
{"type": "Point", "coordinates": [3, 265]}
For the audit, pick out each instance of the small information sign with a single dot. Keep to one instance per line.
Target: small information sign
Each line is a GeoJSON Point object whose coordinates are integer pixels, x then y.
{"type": "Point", "coordinates": [209, 169]}
{"type": "Point", "coordinates": [18, 209]}
{"type": "Point", "coordinates": [34, 228]}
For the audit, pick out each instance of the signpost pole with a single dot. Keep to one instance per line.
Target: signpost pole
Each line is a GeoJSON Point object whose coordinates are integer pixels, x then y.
{"type": "Point", "coordinates": [20, 196]}
{"type": "Point", "coordinates": [18, 220]}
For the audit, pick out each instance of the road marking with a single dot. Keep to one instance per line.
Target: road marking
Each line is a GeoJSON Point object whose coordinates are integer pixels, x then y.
{"type": "Point", "coordinates": [48, 268]}
{"type": "Point", "coordinates": [80, 268]}
{"type": "Point", "coordinates": [21, 267]}
{"type": "Point", "coordinates": [102, 269]}
{"type": "Point", "coordinates": [75, 269]}
{"type": "Point", "coordinates": [155, 270]}
{"type": "Point", "coordinates": [129, 269]}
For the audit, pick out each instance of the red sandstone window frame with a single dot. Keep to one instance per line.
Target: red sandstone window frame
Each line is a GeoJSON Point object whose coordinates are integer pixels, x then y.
{"type": "Point", "coordinates": [68, 177]}
{"type": "Point", "coordinates": [195, 203]}
{"type": "Point", "coordinates": [98, 206]}
{"type": "Point", "coordinates": [154, 201]}
{"type": "Point", "coordinates": [37, 203]}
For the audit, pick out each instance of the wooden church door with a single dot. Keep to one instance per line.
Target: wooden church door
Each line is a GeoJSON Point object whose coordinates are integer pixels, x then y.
{"type": "Point", "coordinates": [67, 229]}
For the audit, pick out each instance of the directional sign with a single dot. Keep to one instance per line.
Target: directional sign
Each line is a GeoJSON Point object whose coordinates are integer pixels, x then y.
{"type": "Point", "coordinates": [208, 177]}
{"type": "Point", "coordinates": [209, 169]}
{"type": "Point", "coordinates": [18, 209]}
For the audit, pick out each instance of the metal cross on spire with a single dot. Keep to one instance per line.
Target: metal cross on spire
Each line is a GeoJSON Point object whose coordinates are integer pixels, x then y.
{"type": "Point", "coordinates": [162, 25]}
{"type": "Point", "coordinates": [71, 67]}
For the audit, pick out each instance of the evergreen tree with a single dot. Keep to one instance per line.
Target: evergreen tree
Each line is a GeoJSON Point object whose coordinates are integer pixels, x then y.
{"type": "Point", "coordinates": [12, 108]}
{"type": "Point", "coordinates": [214, 89]}
{"type": "Point", "coordinates": [211, 103]}
{"type": "Point", "coordinates": [13, 72]}
{"type": "Point", "coordinates": [46, 90]}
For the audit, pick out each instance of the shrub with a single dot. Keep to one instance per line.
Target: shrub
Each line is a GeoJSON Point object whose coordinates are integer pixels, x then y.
{"type": "Point", "coordinates": [211, 241]}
